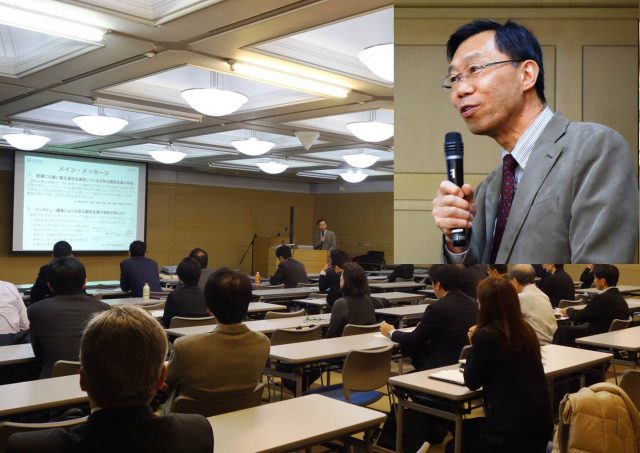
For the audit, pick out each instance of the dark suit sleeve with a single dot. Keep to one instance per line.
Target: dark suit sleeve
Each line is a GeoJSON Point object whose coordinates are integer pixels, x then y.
{"type": "Point", "coordinates": [326, 281]}
{"type": "Point", "coordinates": [169, 311]}
{"type": "Point", "coordinates": [278, 277]}
{"type": "Point", "coordinates": [51, 440]}
{"type": "Point", "coordinates": [40, 290]}
{"type": "Point", "coordinates": [594, 310]}
{"type": "Point", "coordinates": [34, 329]}
{"type": "Point", "coordinates": [125, 285]}
{"type": "Point", "coordinates": [422, 333]}
{"type": "Point", "coordinates": [338, 319]}
{"type": "Point", "coordinates": [479, 360]}
{"type": "Point", "coordinates": [317, 243]}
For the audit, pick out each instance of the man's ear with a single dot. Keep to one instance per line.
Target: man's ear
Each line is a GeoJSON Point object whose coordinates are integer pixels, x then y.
{"type": "Point", "coordinates": [83, 380]}
{"type": "Point", "coordinates": [163, 375]}
{"type": "Point", "coordinates": [530, 73]}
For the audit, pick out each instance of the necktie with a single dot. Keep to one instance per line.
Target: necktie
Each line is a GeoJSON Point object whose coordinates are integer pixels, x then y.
{"type": "Point", "coordinates": [507, 192]}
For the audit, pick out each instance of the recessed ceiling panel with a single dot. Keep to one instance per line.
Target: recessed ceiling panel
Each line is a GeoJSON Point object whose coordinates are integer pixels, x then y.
{"type": "Point", "coordinates": [143, 149]}
{"type": "Point", "coordinates": [225, 138]}
{"type": "Point", "coordinates": [254, 161]}
{"type": "Point", "coordinates": [57, 137]}
{"type": "Point", "coordinates": [337, 171]}
{"type": "Point", "coordinates": [384, 156]}
{"type": "Point", "coordinates": [157, 11]}
{"type": "Point", "coordinates": [338, 123]}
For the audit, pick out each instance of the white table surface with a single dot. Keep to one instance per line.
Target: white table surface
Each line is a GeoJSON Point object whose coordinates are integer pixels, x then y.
{"type": "Point", "coordinates": [625, 339]}
{"type": "Point", "coordinates": [254, 307]}
{"type": "Point", "coordinates": [395, 297]}
{"type": "Point", "coordinates": [16, 353]}
{"type": "Point", "coordinates": [403, 311]}
{"type": "Point", "coordinates": [293, 293]}
{"type": "Point", "coordinates": [396, 285]}
{"type": "Point", "coordinates": [622, 288]}
{"type": "Point", "coordinates": [40, 394]}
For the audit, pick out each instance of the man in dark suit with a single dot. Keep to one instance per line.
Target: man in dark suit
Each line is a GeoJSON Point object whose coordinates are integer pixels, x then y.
{"type": "Point", "coordinates": [404, 271]}
{"type": "Point", "coordinates": [597, 316]}
{"type": "Point", "coordinates": [137, 270]}
{"type": "Point", "coordinates": [122, 359]}
{"type": "Point", "coordinates": [472, 274]}
{"type": "Point", "coordinates": [57, 322]}
{"type": "Point", "coordinates": [289, 271]}
{"type": "Point", "coordinates": [40, 290]}
{"type": "Point", "coordinates": [203, 258]}
{"type": "Point", "coordinates": [558, 285]}
{"type": "Point", "coordinates": [329, 279]}
{"type": "Point", "coordinates": [187, 300]}
{"type": "Point", "coordinates": [442, 333]}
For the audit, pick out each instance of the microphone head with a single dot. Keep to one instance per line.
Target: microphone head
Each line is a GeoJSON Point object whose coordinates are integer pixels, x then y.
{"type": "Point", "coordinates": [453, 144]}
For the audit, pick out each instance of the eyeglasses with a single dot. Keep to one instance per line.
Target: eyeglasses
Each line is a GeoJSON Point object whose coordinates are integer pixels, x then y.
{"type": "Point", "coordinates": [471, 72]}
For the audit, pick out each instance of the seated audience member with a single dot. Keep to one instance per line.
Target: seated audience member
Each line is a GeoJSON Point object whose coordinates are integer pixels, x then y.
{"type": "Point", "coordinates": [187, 300]}
{"type": "Point", "coordinates": [14, 322]}
{"type": "Point", "coordinates": [498, 270]}
{"type": "Point", "coordinates": [472, 274]}
{"type": "Point", "coordinates": [586, 278]}
{"type": "Point", "coordinates": [598, 314]}
{"type": "Point", "coordinates": [355, 306]}
{"type": "Point", "coordinates": [442, 333]}
{"type": "Point", "coordinates": [329, 279]}
{"type": "Point", "coordinates": [137, 270]}
{"type": "Point", "coordinates": [203, 259]}
{"type": "Point", "coordinates": [57, 322]}
{"type": "Point", "coordinates": [229, 359]}
{"type": "Point", "coordinates": [122, 365]}
{"type": "Point", "coordinates": [535, 305]}
{"type": "Point", "coordinates": [289, 271]}
{"type": "Point", "coordinates": [403, 271]}
{"type": "Point", "coordinates": [40, 290]}
{"type": "Point", "coordinates": [505, 361]}
{"type": "Point", "coordinates": [558, 285]}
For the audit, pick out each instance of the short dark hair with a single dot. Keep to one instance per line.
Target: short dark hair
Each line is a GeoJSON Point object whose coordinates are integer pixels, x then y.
{"type": "Point", "coordinates": [448, 275]}
{"type": "Point", "coordinates": [511, 38]}
{"type": "Point", "coordinates": [189, 271]}
{"type": "Point", "coordinates": [137, 248]}
{"type": "Point", "coordinates": [283, 251]}
{"type": "Point", "coordinates": [338, 257]}
{"type": "Point", "coordinates": [609, 272]}
{"type": "Point", "coordinates": [320, 220]}
{"type": "Point", "coordinates": [559, 267]}
{"type": "Point", "coordinates": [201, 256]}
{"type": "Point", "coordinates": [67, 276]}
{"type": "Point", "coordinates": [355, 281]}
{"type": "Point", "coordinates": [228, 294]}
{"type": "Point", "coordinates": [499, 268]}
{"type": "Point", "coordinates": [62, 249]}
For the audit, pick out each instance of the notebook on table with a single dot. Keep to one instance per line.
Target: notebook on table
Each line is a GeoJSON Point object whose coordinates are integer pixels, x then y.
{"type": "Point", "coordinates": [452, 376]}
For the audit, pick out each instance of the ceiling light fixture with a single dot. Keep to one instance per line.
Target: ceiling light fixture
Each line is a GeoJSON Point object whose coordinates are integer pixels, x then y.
{"type": "Point", "coordinates": [288, 80]}
{"type": "Point", "coordinates": [26, 141]}
{"type": "Point", "coordinates": [51, 25]}
{"type": "Point", "coordinates": [360, 160]}
{"type": "Point", "coordinates": [310, 174]}
{"type": "Point", "coordinates": [148, 110]}
{"type": "Point", "coordinates": [379, 60]}
{"type": "Point", "coordinates": [168, 155]}
{"type": "Point", "coordinates": [372, 130]}
{"type": "Point", "coordinates": [253, 146]}
{"type": "Point", "coordinates": [100, 124]}
{"type": "Point", "coordinates": [354, 176]}
{"type": "Point", "coordinates": [214, 101]}
{"type": "Point", "coordinates": [273, 167]}
{"type": "Point", "coordinates": [224, 166]}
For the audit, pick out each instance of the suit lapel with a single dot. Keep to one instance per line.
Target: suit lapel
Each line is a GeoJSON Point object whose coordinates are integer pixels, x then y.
{"type": "Point", "coordinates": [494, 184]}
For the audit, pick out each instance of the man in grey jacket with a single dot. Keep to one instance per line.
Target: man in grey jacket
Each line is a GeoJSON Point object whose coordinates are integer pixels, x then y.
{"type": "Point", "coordinates": [324, 239]}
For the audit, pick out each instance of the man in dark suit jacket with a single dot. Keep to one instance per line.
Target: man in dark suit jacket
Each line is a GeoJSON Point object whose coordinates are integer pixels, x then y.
{"type": "Point", "coordinates": [404, 271]}
{"type": "Point", "coordinates": [329, 279]}
{"type": "Point", "coordinates": [472, 274]}
{"type": "Point", "coordinates": [289, 271]}
{"type": "Point", "coordinates": [558, 285]}
{"type": "Point", "coordinates": [187, 300]}
{"type": "Point", "coordinates": [598, 314]}
{"type": "Point", "coordinates": [122, 358]}
{"type": "Point", "coordinates": [138, 270]}
{"type": "Point", "coordinates": [203, 258]}
{"type": "Point", "coordinates": [57, 322]}
{"type": "Point", "coordinates": [442, 333]}
{"type": "Point", "coordinates": [40, 290]}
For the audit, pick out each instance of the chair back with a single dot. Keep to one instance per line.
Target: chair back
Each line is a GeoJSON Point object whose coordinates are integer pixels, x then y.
{"type": "Point", "coordinates": [156, 306]}
{"type": "Point", "coordinates": [630, 383]}
{"type": "Point", "coordinates": [9, 428]}
{"type": "Point", "coordinates": [564, 303]}
{"type": "Point", "coordinates": [306, 285]}
{"type": "Point", "coordinates": [619, 324]}
{"type": "Point", "coordinates": [283, 314]}
{"type": "Point", "coordinates": [65, 368]}
{"type": "Point", "coordinates": [221, 404]}
{"type": "Point", "coordinates": [159, 294]}
{"type": "Point", "coordinates": [181, 321]}
{"type": "Point", "coordinates": [366, 370]}
{"type": "Point", "coordinates": [288, 336]}
{"type": "Point", "coordinates": [464, 352]}
{"type": "Point", "coordinates": [355, 329]}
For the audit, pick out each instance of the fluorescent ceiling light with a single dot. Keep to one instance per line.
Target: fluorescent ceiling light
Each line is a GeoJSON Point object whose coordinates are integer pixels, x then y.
{"type": "Point", "coordinates": [287, 80]}
{"type": "Point", "coordinates": [128, 156]}
{"type": "Point", "coordinates": [224, 166]}
{"type": "Point", "coordinates": [214, 101]}
{"type": "Point", "coordinates": [310, 174]}
{"type": "Point", "coordinates": [360, 160]}
{"type": "Point", "coordinates": [354, 176]}
{"type": "Point", "coordinates": [51, 25]}
{"type": "Point", "coordinates": [273, 167]}
{"type": "Point", "coordinates": [149, 110]}
{"type": "Point", "coordinates": [253, 146]}
{"type": "Point", "coordinates": [100, 124]}
{"type": "Point", "coordinates": [371, 131]}
{"type": "Point", "coordinates": [168, 155]}
{"type": "Point", "coordinates": [379, 60]}
{"type": "Point", "coordinates": [26, 141]}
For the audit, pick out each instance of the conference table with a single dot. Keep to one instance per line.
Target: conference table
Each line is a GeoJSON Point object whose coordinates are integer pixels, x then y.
{"type": "Point", "coordinates": [292, 425]}
{"type": "Point", "coordinates": [395, 297]}
{"type": "Point", "coordinates": [284, 293]}
{"type": "Point", "coordinates": [254, 307]}
{"type": "Point", "coordinates": [620, 340]}
{"type": "Point", "coordinates": [624, 289]}
{"type": "Point", "coordinates": [16, 354]}
{"type": "Point", "coordinates": [557, 361]}
{"type": "Point", "coordinates": [396, 286]}
{"type": "Point", "coordinates": [403, 313]}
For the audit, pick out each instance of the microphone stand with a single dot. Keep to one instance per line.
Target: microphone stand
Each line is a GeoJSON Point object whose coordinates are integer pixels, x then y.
{"type": "Point", "coordinates": [250, 246]}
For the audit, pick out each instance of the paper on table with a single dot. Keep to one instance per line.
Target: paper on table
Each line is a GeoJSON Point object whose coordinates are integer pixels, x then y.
{"type": "Point", "coordinates": [453, 376]}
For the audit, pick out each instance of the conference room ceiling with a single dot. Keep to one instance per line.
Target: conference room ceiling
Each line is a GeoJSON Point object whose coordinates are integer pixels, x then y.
{"type": "Point", "coordinates": [155, 49]}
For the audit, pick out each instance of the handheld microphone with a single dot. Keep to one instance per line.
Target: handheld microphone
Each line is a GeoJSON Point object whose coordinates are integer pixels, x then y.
{"type": "Point", "coordinates": [453, 153]}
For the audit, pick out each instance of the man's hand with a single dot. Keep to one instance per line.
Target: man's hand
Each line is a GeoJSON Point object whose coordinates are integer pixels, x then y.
{"type": "Point", "coordinates": [386, 329]}
{"type": "Point", "coordinates": [563, 312]}
{"type": "Point", "coordinates": [454, 207]}
{"type": "Point", "coordinates": [471, 331]}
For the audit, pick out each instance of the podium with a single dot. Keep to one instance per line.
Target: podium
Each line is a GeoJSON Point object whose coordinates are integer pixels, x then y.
{"type": "Point", "coordinates": [266, 263]}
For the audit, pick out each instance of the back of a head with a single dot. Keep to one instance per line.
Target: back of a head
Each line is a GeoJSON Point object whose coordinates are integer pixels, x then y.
{"type": "Point", "coordinates": [283, 252]}
{"type": "Point", "coordinates": [449, 276]}
{"type": "Point", "coordinates": [121, 354]}
{"type": "Point", "coordinates": [62, 249]}
{"type": "Point", "coordinates": [200, 255]}
{"type": "Point", "coordinates": [189, 271]}
{"type": "Point", "coordinates": [339, 257]}
{"type": "Point", "coordinates": [499, 268]}
{"type": "Point", "coordinates": [67, 276]}
{"type": "Point", "coordinates": [609, 272]}
{"type": "Point", "coordinates": [137, 248]}
{"type": "Point", "coordinates": [524, 274]}
{"type": "Point", "coordinates": [559, 267]}
{"type": "Point", "coordinates": [227, 295]}
{"type": "Point", "coordinates": [355, 281]}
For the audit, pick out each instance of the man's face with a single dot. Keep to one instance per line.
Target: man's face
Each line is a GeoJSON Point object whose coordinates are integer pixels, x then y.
{"type": "Point", "coordinates": [487, 101]}
{"type": "Point", "coordinates": [600, 283]}
{"type": "Point", "coordinates": [548, 268]}
{"type": "Point", "coordinates": [322, 226]}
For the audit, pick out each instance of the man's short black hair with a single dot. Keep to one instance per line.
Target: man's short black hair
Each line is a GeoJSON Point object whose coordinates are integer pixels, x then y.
{"type": "Point", "coordinates": [559, 267]}
{"type": "Point", "coordinates": [137, 248]}
{"type": "Point", "coordinates": [511, 38]}
{"type": "Point", "coordinates": [609, 272]}
{"type": "Point", "coordinates": [499, 268]}
{"type": "Point", "coordinates": [283, 251]}
{"type": "Point", "coordinates": [339, 257]}
{"type": "Point", "coordinates": [228, 294]}
{"type": "Point", "coordinates": [67, 276]}
{"type": "Point", "coordinates": [189, 271]}
{"type": "Point", "coordinates": [62, 249]}
{"type": "Point", "coordinates": [201, 256]}
{"type": "Point", "coordinates": [320, 220]}
{"type": "Point", "coordinates": [448, 275]}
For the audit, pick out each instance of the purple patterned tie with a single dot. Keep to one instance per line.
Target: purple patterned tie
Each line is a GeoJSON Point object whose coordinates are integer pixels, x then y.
{"type": "Point", "coordinates": [507, 192]}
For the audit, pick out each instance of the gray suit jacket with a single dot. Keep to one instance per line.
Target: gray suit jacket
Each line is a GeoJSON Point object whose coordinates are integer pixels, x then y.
{"type": "Point", "coordinates": [577, 201]}
{"type": "Point", "coordinates": [328, 244]}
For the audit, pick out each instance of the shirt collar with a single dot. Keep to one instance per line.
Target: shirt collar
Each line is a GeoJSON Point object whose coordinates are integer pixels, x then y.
{"type": "Point", "coordinates": [522, 150]}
